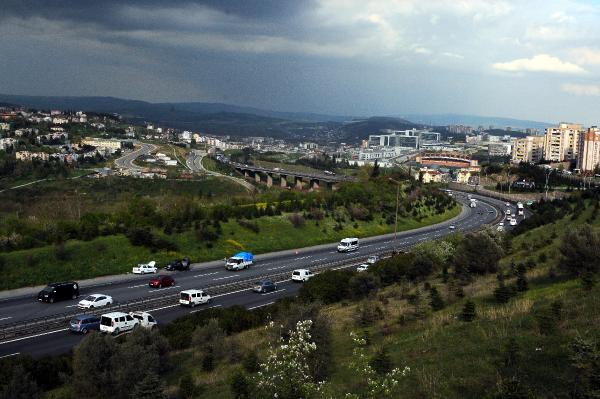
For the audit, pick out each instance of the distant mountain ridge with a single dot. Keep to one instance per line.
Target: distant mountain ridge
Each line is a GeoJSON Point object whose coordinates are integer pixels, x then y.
{"type": "Point", "coordinates": [475, 121]}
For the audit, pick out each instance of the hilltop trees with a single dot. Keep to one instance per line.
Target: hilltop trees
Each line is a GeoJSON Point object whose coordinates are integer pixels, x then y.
{"type": "Point", "coordinates": [580, 251]}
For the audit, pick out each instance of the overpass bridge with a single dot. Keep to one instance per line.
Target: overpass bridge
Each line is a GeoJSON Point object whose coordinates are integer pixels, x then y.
{"type": "Point", "coordinates": [451, 160]}
{"type": "Point", "coordinates": [285, 178]}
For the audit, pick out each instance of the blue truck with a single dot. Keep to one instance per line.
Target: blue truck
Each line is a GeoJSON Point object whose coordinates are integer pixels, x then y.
{"type": "Point", "coordinates": [239, 261]}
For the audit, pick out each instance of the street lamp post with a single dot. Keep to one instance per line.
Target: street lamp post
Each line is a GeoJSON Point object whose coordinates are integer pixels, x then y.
{"type": "Point", "coordinates": [397, 205]}
{"type": "Point", "coordinates": [548, 173]}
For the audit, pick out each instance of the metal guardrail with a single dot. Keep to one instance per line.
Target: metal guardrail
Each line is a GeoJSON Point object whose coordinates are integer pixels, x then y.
{"type": "Point", "coordinates": [60, 321]}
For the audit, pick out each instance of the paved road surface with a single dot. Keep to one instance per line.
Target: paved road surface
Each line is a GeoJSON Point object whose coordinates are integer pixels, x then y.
{"type": "Point", "coordinates": [126, 161]}
{"type": "Point", "coordinates": [194, 162]}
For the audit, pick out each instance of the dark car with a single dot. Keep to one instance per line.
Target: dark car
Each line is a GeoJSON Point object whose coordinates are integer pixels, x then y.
{"type": "Point", "coordinates": [179, 264]}
{"type": "Point", "coordinates": [84, 323]}
{"type": "Point", "coordinates": [59, 292]}
{"type": "Point", "coordinates": [264, 286]}
{"type": "Point", "coordinates": [162, 281]}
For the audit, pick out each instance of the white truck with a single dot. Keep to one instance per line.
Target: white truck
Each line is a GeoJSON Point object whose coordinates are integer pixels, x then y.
{"type": "Point", "coordinates": [520, 209]}
{"type": "Point", "coordinates": [239, 261]}
{"type": "Point", "coordinates": [473, 203]}
{"type": "Point", "coordinates": [144, 268]}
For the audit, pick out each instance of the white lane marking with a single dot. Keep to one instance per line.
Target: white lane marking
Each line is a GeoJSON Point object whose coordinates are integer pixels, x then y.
{"type": "Point", "coordinates": [12, 354]}
{"type": "Point", "coordinates": [207, 274]}
{"type": "Point", "coordinates": [273, 292]}
{"type": "Point", "coordinates": [33, 336]}
{"type": "Point", "coordinates": [137, 286]}
{"type": "Point", "coordinates": [303, 257]}
{"type": "Point", "coordinates": [223, 278]}
{"type": "Point", "coordinates": [5, 318]}
{"type": "Point", "coordinates": [68, 306]}
{"type": "Point", "coordinates": [280, 267]}
{"type": "Point", "coordinates": [210, 307]}
{"type": "Point", "coordinates": [163, 289]}
{"type": "Point", "coordinates": [260, 306]}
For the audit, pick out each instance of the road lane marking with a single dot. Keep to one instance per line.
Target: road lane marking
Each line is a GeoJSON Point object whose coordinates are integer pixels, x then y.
{"type": "Point", "coordinates": [206, 274]}
{"type": "Point", "coordinates": [210, 307]}
{"type": "Point", "coordinates": [260, 306]}
{"type": "Point", "coordinates": [12, 354]}
{"type": "Point", "coordinates": [273, 292]}
{"type": "Point", "coordinates": [223, 278]}
{"type": "Point", "coordinates": [5, 318]}
{"type": "Point", "coordinates": [138, 286]}
{"type": "Point", "coordinates": [163, 289]}
{"type": "Point", "coordinates": [33, 336]}
{"type": "Point", "coordinates": [68, 306]}
{"type": "Point", "coordinates": [279, 267]}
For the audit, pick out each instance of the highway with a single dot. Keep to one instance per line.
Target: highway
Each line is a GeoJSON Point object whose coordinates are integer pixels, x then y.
{"type": "Point", "coordinates": [211, 273]}
{"type": "Point", "coordinates": [194, 163]}
{"type": "Point", "coordinates": [126, 161]}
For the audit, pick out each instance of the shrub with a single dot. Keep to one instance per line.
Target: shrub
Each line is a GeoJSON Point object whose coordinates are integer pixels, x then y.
{"type": "Point", "coordinates": [368, 313]}
{"type": "Point", "coordinates": [327, 287]}
{"type": "Point", "coordinates": [362, 284]}
{"type": "Point", "coordinates": [469, 312]}
{"type": "Point", "coordinates": [251, 363]}
{"type": "Point", "coordinates": [436, 301]}
{"type": "Point", "coordinates": [296, 220]}
{"type": "Point", "coordinates": [382, 362]}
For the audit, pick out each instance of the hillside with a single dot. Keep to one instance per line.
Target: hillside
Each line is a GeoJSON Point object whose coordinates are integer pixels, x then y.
{"type": "Point", "coordinates": [359, 130]}
{"type": "Point", "coordinates": [475, 121]}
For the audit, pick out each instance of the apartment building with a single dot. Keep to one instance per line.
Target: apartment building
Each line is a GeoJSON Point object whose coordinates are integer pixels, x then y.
{"type": "Point", "coordinates": [562, 143]}
{"type": "Point", "coordinates": [529, 149]}
{"type": "Point", "coordinates": [103, 144]}
{"type": "Point", "coordinates": [589, 150]}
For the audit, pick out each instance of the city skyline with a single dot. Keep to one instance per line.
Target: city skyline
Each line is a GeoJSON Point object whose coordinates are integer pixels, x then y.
{"type": "Point", "coordinates": [535, 61]}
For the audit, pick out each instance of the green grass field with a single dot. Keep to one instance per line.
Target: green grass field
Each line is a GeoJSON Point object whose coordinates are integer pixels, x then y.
{"type": "Point", "coordinates": [115, 255]}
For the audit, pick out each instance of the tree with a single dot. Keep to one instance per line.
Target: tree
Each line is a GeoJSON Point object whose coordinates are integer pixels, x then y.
{"type": "Point", "coordinates": [362, 284]}
{"type": "Point", "coordinates": [251, 362]}
{"type": "Point", "coordinates": [502, 293]}
{"type": "Point", "coordinates": [210, 339]}
{"type": "Point", "coordinates": [20, 386]}
{"type": "Point", "coordinates": [580, 251]}
{"type": "Point", "coordinates": [150, 387]}
{"type": "Point", "coordinates": [477, 254]}
{"type": "Point", "coordinates": [468, 313]}
{"type": "Point", "coordinates": [327, 287]}
{"type": "Point", "coordinates": [522, 283]}
{"type": "Point", "coordinates": [585, 360]}
{"type": "Point", "coordinates": [381, 362]}
{"type": "Point", "coordinates": [240, 386]}
{"type": "Point", "coordinates": [187, 387]}
{"type": "Point", "coordinates": [436, 301]}
{"type": "Point", "coordinates": [92, 367]}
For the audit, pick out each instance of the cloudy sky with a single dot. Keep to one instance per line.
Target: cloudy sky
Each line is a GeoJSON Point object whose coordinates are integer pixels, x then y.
{"type": "Point", "coordinates": [534, 59]}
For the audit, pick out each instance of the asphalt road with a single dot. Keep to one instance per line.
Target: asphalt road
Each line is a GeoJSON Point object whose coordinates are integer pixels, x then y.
{"type": "Point", "coordinates": [26, 308]}
{"type": "Point", "coordinates": [126, 161]}
{"type": "Point", "coordinates": [194, 163]}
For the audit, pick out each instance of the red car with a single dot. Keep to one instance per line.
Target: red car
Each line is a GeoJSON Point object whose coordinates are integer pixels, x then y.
{"type": "Point", "coordinates": [162, 281]}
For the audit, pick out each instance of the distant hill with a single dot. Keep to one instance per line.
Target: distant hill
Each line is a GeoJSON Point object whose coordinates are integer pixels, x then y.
{"type": "Point", "coordinates": [361, 129]}
{"type": "Point", "coordinates": [475, 121]}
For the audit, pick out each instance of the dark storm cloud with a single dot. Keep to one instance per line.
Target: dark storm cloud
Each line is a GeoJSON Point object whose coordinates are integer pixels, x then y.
{"type": "Point", "coordinates": [108, 12]}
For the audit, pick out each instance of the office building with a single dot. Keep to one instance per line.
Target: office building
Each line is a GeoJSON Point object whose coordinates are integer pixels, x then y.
{"type": "Point", "coordinates": [562, 143]}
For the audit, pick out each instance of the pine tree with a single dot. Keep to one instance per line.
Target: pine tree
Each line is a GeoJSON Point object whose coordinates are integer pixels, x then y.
{"type": "Point", "coordinates": [502, 293]}
{"type": "Point", "coordinates": [20, 386]}
{"type": "Point", "coordinates": [187, 387]}
{"type": "Point", "coordinates": [240, 386]}
{"type": "Point", "coordinates": [436, 301]}
{"type": "Point", "coordinates": [522, 283]}
{"type": "Point", "coordinates": [251, 363]}
{"type": "Point", "coordinates": [381, 362]}
{"type": "Point", "coordinates": [151, 387]}
{"type": "Point", "coordinates": [468, 313]}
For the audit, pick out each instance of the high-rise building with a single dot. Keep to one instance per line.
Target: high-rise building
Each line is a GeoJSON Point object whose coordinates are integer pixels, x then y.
{"type": "Point", "coordinates": [562, 143]}
{"type": "Point", "coordinates": [589, 150]}
{"type": "Point", "coordinates": [529, 149]}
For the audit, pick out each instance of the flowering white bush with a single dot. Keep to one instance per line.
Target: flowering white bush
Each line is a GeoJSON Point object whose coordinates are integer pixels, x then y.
{"type": "Point", "coordinates": [378, 386]}
{"type": "Point", "coordinates": [285, 373]}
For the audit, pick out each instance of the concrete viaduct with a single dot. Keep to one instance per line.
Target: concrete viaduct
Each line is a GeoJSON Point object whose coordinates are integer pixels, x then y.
{"type": "Point", "coordinates": [284, 177]}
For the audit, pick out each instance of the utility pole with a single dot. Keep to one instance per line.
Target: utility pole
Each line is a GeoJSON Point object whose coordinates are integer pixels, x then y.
{"type": "Point", "coordinates": [548, 173]}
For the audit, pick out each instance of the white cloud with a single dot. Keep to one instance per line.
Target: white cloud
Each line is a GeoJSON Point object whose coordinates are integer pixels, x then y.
{"type": "Point", "coordinates": [561, 17]}
{"type": "Point", "coordinates": [586, 55]}
{"type": "Point", "coordinates": [539, 63]}
{"type": "Point", "coordinates": [453, 55]}
{"type": "Point", "coordinates": [581, 89]}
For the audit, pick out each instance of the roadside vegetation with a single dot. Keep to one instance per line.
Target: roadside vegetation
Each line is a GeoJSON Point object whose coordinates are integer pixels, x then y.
{"type": "Point", "coordinates": [484, 315]}
{"type": "Point", "coordinates": [103, 228]}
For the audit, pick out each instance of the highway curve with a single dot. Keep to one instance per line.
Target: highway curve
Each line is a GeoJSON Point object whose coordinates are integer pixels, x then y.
{"type": "Point", "coordinates": [15, 310]}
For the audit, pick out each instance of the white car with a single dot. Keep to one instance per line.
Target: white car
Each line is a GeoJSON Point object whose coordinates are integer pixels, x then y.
{"type": "Point", "coordinates": [302, 275]}
{"type": "Point", "coordinates": [513, 222]}
{"type": "Point", "coordinates": [95, 301]}
{"type": "Point", "coordinates": [348, 244]}
{"type": "Point", "coordinates": [117, 322]}
{"type": "Point", "coordinates": [144, 319]}
{"type": "Point", "coordinates": [363, 268]}
{"type": "Point", "coordinates": [508, 204]}
{"type": "Point", "coordinates": [372, 259]}
{"type": "Point", "coordinates": [452, 227]}
{"type": "Point", "coordinates": [144, 268]}
{"type": "Point", "coordinates": [193, 297]}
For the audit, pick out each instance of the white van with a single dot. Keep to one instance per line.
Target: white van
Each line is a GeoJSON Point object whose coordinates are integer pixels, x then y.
{"type": "Point", "coordinates": [193, 298]}
{"type": "Point", "coordinates": [301, 275]}
{"type": "Point", "coordinates": [117, 322]}
{"type": "Point", "coordinates": [348, 244]}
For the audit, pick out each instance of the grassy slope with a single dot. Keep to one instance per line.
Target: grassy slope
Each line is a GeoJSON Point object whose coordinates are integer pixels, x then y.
{"type": "Point", "coordinates": [450, 358]}
{"type": "Point", "coordinates": [114, 254]}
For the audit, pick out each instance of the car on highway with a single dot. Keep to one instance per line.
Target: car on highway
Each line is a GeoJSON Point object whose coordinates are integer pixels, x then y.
{"type": "Point", "coordinates": [363, 268]}
{"type": "Point", "coordinates": [348, 245]}
{"type": "Point", "coordinates": [95, 301]}
{"type": "Point", "coordinates": [59, 292]}
{"type": "Point", "coordinates": [162, 281]}
{"type": "Point", "coordinates": [513, 222]}
{"type": "Point", "coordinates": [193, 297]}
{"type": "Point", "coordinates": [301, 275]}
{"type": "Point", "coordinates": [179, 264]}
{"type": "Point", "coordinates": [117, 322]}
{"type": "Point", "coordinates": [373, 259]}
{"type": "Point", "coordinates": [264, 286]}
{"type": "Point", "coordinates": [84, 323]}
{"type": "Point", "coordinates": [144, 319]}
{"type": "Point", "coordinates": [452, 227]}
{"type": "Point", "coordinates": [144, 268]}
{"type": "Point", "coordinates": [508, 204]}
